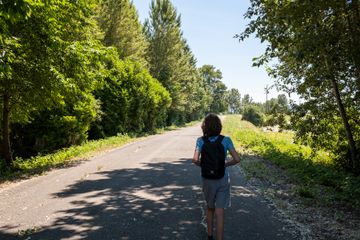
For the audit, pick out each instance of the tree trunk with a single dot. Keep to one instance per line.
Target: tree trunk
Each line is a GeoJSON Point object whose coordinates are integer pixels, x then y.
{"type": "Point", "coordinates": [6, 130]}
{"type": "Point", "coordinates": [351, 142]}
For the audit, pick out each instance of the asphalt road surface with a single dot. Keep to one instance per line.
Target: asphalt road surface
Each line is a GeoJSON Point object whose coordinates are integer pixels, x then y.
{"type": "Point", "coordinates": [145, 190]}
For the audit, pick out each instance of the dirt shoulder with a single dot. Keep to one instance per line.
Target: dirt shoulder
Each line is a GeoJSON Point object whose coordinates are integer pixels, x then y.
{"type": "Point", "coordinates": [314, 219]}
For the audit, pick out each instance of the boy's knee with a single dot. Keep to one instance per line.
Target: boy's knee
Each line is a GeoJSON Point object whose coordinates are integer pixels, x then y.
{"type": "Point", "coordinates": [219, 211]}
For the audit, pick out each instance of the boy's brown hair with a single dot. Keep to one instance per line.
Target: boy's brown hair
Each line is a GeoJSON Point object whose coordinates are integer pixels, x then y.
{"type": "Point", "coordinates": [211, 126]}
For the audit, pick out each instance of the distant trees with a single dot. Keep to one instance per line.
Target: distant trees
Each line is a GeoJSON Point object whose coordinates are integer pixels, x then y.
{"type": "Point", "coordinates": [198, 98]}
{"type": "Point", "coordinates": [277, 105]}
{"type": "Point", "coordinates": [317, 47]}
{"type": "Point", "coordinates": [272, 112]}
{"type": "Point", "coordinates": [276, 110]}
{"type": "Point", "coordinates": [234, 100]}
{"type": "Point", "coordinates": [215, 88]}
{"type": "Point", "coordinates": [247, 100]}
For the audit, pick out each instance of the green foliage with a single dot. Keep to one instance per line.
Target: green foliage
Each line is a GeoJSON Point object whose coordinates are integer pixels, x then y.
{"type": "Point", "coordinates": [166, 53]}
{"type": "Point", "coordinates": [283, 103]}
{"type": "Point", "coordinates": [253, 114]}
{"type": "Point", "coordinates": [49, 60]}
{"type": "Point", "coordinates": [234, 101]}
{"type": "Point", "coordinates": [131, 100]}
{"type": "Point", "coordinates": [76, 70]}
{"type": "Point", "coordinates": [198, 100]}
{"type": "Point", "coordinates": [215, 88]}
{"type": "Point", "coordinates": [122, 29]}
{"type": "Point", "coordinates": [11, 12]}
{"type": "Point", "coordinates": [305, 192]}
{"type": "Point", "coordinates": [277, 105]}
{"type": "Point", "coordinates": [314, 173]}
{"type": "Point", "coordinates": [316, 44]}
{"type": "Point", "coordinates": [280, 120]}
{"type": "Point", "coordinates": [320, 129]}
{"type": "Point", "coordinates": [247, 100]}
{"type": "Point", "coordinates": [173, 64]}
{"type": "Point", "coordinates": [219, 104]}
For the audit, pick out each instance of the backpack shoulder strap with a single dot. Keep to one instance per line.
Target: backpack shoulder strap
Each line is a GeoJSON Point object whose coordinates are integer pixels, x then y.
{"type": "Point", "coordinates": [220, 138]}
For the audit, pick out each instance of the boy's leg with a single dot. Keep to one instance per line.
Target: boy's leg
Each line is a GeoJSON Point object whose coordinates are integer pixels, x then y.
{"type": "Point", "coordinates": [210, 220]}
{"type": "Point", "coordinates": [219, 213]}
{"type": "Point", "coordinates": [222, 202]}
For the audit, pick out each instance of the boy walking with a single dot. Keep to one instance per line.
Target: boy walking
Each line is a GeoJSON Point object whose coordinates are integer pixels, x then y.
{"type": "Point", "coordinates": [210, 155]}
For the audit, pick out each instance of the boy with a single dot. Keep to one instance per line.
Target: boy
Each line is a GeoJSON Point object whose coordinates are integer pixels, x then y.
{"type": "Point", "coordinates": [216, 182]}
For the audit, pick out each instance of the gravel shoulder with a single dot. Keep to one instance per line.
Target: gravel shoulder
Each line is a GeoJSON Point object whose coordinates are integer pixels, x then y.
{"type": "Point", "coordinates": [313, 219]}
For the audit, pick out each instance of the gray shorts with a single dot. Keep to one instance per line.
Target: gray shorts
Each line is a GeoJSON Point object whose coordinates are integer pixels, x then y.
{"type": "Point", "coordinates": [217, 192]}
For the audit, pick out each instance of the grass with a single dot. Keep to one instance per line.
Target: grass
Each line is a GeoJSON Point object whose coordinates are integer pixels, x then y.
{"type": "Point", "coordinates": [24, 168]}
{"type": "Point", "coordinates": [41, 163]}
{"type": "Point", "coordinates": [314, 173]}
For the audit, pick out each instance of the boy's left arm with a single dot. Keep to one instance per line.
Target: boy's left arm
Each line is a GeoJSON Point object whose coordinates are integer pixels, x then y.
{"type": "Point", "coordinates": [235, 158]}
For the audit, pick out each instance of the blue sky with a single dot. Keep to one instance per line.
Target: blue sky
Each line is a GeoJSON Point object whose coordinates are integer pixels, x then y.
{"type": "Point", "coordinates": [209, 27]}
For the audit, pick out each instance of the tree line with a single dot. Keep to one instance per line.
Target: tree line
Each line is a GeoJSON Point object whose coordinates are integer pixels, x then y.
{"type": "Point", "coordinates": [71, 71]}
{"type": "Point", "coordinates": [316, 45]}
{"type": "Point", "coordinates": [273, 112]}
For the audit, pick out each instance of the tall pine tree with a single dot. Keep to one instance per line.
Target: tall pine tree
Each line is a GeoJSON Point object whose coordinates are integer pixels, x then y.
{"type": "Point", "coordinates": [198, 98]}
{"type": "Point", "coordinates": [122, 29]}
{"type": "Point", "coordinates": [170, 59]}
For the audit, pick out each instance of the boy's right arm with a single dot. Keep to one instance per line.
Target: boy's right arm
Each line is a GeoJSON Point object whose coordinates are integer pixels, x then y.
{"type": "Point", "coordinates": [196, 158]}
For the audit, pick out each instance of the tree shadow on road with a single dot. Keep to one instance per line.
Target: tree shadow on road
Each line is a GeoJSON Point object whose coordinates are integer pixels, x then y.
{"type": "Point", "coordinates": [159, 200]}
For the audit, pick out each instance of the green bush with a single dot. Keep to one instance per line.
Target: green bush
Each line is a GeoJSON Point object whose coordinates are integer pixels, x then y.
{"type": "Point", "coordinates": [254, 115]}
{"type": "Point", "coordinates": [270, 120]}
{"type": "Point", "coordinates": [326, 131]}
{"type": "Point", "coordinates": [131, 100]}
{"type": "Point", "coordinates": [279, 119]}
{"type": "Point", "coordinates": [50, 130]}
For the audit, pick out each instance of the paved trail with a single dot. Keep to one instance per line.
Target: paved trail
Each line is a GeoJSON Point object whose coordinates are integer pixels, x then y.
{"type": "Point", "coordinates": [145, 190]}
